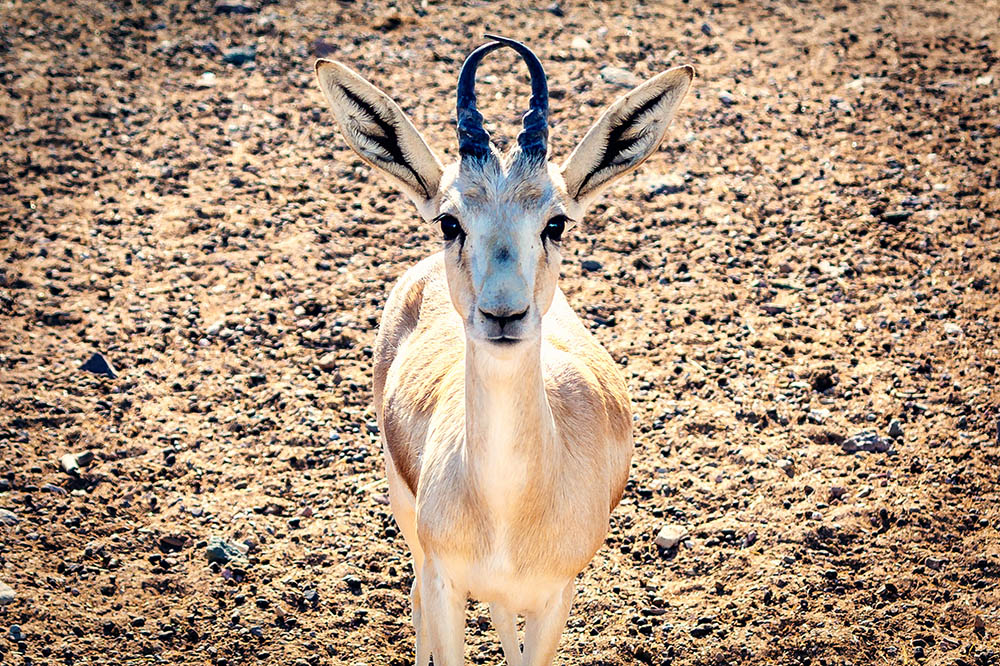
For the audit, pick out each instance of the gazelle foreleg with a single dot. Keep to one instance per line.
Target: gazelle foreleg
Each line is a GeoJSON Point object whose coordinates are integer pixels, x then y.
{"type": "Point", "coordinates": [423, 641]}
{"type": "Point", "coordinates": [442, 610]}
{"type": "Point", "coordinates": [542, 630]}
{"type": "Point", "coordinates": [506, 625]}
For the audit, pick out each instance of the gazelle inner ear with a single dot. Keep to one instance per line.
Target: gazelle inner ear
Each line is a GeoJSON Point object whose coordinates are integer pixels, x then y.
{"type": "Point", "coordinates": [625, 135]}
{"type": "Point", "coordinates": [380, 132]}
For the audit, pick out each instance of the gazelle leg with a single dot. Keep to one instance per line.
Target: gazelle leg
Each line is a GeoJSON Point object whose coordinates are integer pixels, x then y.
{"type": "Point", "coordinates": [420, 625]}
{"type": "Point", "coordinates": [506, 625]}
{"type": "Point", "coordinates": [442, 610]}
{"type": "Point", "coordinates": [543, 630]}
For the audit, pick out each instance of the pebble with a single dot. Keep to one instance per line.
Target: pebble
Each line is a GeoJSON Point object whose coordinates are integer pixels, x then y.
{"type": "Point", "coordinates": [670, 536]}
{"type": "Point", "coordinates": [773, 308]}
{"type": "Point", "coordinates": [8, 518]}
{"type": "Point", "coordinates": [206, 80]}
{"type": "Point", "coordinates": [726, 98]}
{"type": "Point", "coordinates": [620, 77]}
{"type": "Point", "coordinates": [72, 462]}
{"type": "Point", "coordinates": [934, 563]}
{"type": "Point", "coordinates": [819, 416]}
{"type": "Point", "coordinates": [866, 440]}
{"type": "Point", "coordinates": [895, 429]}
{"type": "Point", "coordinates": [951, 328]}
{"type": "Point", "coordinates": [590, 265]}
{"type": "Point", "coordinates": [99, 365]}
{"type": "Point", "coordinates": [240, 55]}
{"type": "Point", "coordinates": [786, 466]}
{"type": "Point", "coordinates": [236, 6]}
{"type": "Point", "coordinates": [327, 361]}
{"type": "Point", "coordinates": [16, 634]}
{"type": "Point", "coordinates": [837, 492]}
{"type": "Point", "coordinates": [7, 594]}
{"type": "Point", "coordinates": [220, 550]}
{"type": "Point", "coordinates": [579, 44]}
{"type": "Point", "coordinates": [896, 216]}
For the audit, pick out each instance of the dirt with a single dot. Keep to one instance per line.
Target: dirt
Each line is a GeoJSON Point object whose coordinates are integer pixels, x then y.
{"type": "Point", "coordinates": [813, 253]}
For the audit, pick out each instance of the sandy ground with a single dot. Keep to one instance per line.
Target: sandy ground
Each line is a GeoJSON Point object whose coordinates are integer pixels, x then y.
{"type": "Point", "coordinates": [813, 253]}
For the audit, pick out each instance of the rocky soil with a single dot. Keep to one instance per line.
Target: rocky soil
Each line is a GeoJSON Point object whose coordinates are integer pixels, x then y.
{"type": "Point", "coordinates": [801, 288]}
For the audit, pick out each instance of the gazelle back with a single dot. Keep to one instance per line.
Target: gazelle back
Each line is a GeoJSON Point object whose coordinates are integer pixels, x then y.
{"type": "Point", "coordinates": [506, 427]}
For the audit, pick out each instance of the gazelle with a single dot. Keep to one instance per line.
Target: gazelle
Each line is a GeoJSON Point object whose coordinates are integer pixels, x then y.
{"type": "Point", "coordinates": [507, 428]}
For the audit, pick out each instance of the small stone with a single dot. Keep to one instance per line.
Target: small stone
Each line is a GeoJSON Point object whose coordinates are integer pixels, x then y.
{"type": "Point", "coordinates": [555, 9]}
{"type": "Point", "coordinates": [670, 536]}
{"type": "Point", "coordinates": [99, 365]}
{"type": "Point", "coordinates": [706, 29]}
{"type": "Point", "coordinates": [16, 634]}
{"type": "Point", "coordinates": [236, 6]}
{"type": "Point", "coordinates": [620, 77]}
{"type": "Point", "coordinates": [590, 265]}
{"type": "Point", "coordinates": [786, 466]}
{"type": "Point", "coordinates": [8, 518]}
{"type": "Point", "coordinates": [934, 563]}
{"type": "Point", "coordinates": [896, 216]}
{"type": "Point", "coordinates": [72, 462]}
{"type": "Point", "coordinates": [859, 326]}
{"type": "Point", "coordinates": [240, 55]}
{"type": "Point", "coordinates": [327, 361]}
{"type": "Point", "coordinates": [773, 308]}
{"type": "Point", "coordinates": [865, 440]}
{"type": "Point", "coordinates": [726, 98]}
{"type": "Point", "coordinates": [984, 80]}
{"type": "Point", "coordinates": [837, 492]}
{"type": "Point", "coordinates": [219, 550]}
{"type": "Point", "coordinates": [951, 328]}
{"type": "Point", "coordinates": [206, 80]}
{"type": "Point", "coordinates": [865, 491]}
{"type": "Point", "coordinates": [895, 429]}
{"type": "Point", "coordinates": [579, 44]}
{"type": "Point", "coordinates": [7, 594]}
{"type": "Point", "coordinates": [819, 416]}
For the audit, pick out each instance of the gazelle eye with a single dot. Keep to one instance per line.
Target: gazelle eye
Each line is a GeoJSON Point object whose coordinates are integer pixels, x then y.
{"type": "Point", "coordinates": [555, 227]}
{"type": "Point", "coordinates": [450, 227]}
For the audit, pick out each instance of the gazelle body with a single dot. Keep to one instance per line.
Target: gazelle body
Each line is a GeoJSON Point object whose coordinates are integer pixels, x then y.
{"type": "Point", "coordinates": [506, 426]}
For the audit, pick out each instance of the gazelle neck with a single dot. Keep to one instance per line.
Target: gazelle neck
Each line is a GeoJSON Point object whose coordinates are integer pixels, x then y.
{"type": "Point", "coordinates": [506, 407]}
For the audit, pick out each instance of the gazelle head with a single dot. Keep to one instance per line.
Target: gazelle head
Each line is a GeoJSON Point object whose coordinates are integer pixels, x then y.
{"type": "Point", "coordinates": [502, 216]}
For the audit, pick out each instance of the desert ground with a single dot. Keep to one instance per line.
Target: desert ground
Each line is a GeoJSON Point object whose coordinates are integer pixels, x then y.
{"type": "Point", "coordinates": [800, 287]}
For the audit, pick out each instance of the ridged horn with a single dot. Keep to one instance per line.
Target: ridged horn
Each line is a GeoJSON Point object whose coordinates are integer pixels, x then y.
{"type": "Point", "coordinates": [534, 138]}
{"type": "Point", "coordinates": [473, 140]}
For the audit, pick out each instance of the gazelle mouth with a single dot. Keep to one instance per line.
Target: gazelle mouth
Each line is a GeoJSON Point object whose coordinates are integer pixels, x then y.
{"type": "Point", "coordinates": [504, 340]}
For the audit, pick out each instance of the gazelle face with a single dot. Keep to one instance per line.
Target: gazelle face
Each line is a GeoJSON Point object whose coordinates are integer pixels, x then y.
{"type": "Point", "coordinates": [502, 226]}
{"type": "Point", "coordinates": [502, 217]}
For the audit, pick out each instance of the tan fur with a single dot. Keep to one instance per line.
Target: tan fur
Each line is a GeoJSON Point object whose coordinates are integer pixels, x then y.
{"type": "Point", "coordinates": [587, 395]}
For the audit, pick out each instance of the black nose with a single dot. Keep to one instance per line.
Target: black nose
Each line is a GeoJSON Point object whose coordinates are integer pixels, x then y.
{"type": "Point", "coordinates": [504, 317]}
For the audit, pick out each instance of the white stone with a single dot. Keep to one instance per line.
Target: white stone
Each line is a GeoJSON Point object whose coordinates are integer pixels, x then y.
{"type": "Point", "coordinates": [670, 536]}
{"type": "Point", "coordinates": [7, 594]}
{"type": "Point", "coordinates": [619, 77]}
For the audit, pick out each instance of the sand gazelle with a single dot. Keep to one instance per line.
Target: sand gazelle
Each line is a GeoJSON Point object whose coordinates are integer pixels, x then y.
{"type": "Point", "coordinates": [506, 426]}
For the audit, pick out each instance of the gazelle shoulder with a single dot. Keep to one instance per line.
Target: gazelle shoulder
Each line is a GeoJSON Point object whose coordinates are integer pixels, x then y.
{"type": "Point", "coordinates": [409, 299]}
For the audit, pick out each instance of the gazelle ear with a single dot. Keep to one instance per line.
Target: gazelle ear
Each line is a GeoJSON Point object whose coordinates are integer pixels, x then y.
{"type": "Point", "coordinates": [628, 132]}
{"type": "Point", "coordinates": [378, 130]}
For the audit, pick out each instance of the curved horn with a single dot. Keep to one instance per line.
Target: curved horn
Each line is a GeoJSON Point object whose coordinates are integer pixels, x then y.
{"type": "Point", "coordinates": [534, 138]}
{"type": "Point", "coordinates": [473, 140]}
